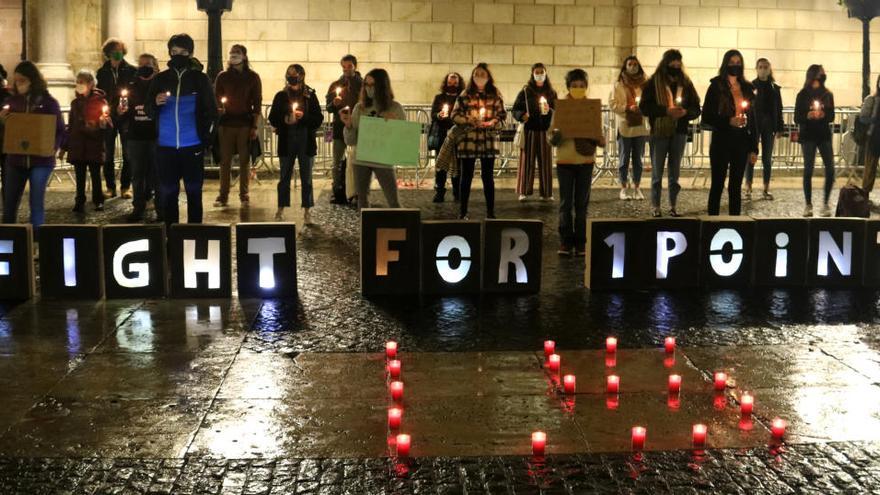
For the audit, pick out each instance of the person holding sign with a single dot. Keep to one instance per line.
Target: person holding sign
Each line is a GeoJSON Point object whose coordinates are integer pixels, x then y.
{"type": "Point", "coordinates": [84, 146]}
{"type": "Point", "coordinates": [729, 109]}
{"type": "Point", "coordinates": [481, 110]}
{"type": "Point", "coordinates": [377, 100]}
{"type": "Point", "coordinates": [814, 112]}
{"type": "Point", "coordinates": [296, 116]}
{"type": "Point", "coordinates": [632, 128]}
{"type": "Point", "coordinates": [441, 122]}
{"type": "Point", "coordinates": [575, 158]}
{"type": "Point", "coordinates": [534, 109]}
{"type": "Point", "coordinates": [670, 102]}
{"type": "Point", "coordinates": [23, 164]}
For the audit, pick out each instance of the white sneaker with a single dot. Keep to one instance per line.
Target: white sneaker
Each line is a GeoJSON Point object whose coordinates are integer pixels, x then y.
{"type": "Point", "coordinates": [637, 194]}
{"type": "Point", "coordinates": [825, 211]}
{"type": "Point", "coordinates": [624, 195]}
{"type": "Point", "coordinates": [307, 216]}
{"type": "Point", "coordinates": [808, 211]}
{"type": "Point", "coordinates": [522, 197]}
{"type": "Point", "coordinates": [279, 215]}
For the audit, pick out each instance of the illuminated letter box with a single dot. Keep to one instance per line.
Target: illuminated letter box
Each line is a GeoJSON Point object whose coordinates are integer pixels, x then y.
{"type": "Point", "coordinates": [266, 259]}
{"type": "Point", "coordinates": [390, 251]}
{"type": "Point", "coordinates": [200, 260]}
{"type": "Point", "coordinates": [70, 262]}
{"type": "Point", "coordinates": [615, 254]}
{"type": "Point", "coordinates": [512, 255]}
{"type": "Point", "coordinates": [451, 252]}
{"type": "Point", "coordinates": [727, 247]}
{"type": "Point", "coordinates": [16, 263]}
{"type": "Point", "coordinates": [836, 252]}
{"type": "Point", "coordinates": [134, 261]}
{"type": "Point", "coordinates": [673, 252]}
{"type": "Point", "coordinates": [781, 248]}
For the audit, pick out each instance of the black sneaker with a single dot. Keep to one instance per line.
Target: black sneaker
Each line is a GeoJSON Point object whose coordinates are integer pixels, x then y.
{"type": "Point", "coordinates": [99, 207]}
{"type": "Point", "coordinates": [78, 208]}
{"type": "Point", "coordinates": [439, 196]}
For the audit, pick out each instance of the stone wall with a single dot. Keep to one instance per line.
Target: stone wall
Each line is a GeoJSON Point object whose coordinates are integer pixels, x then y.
{"type": "Point", "coordinates": [10, 30]}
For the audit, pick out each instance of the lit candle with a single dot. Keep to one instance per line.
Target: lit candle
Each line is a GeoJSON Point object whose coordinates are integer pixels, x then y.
{"type": "Point", "coordinates": [778, 428]}
{"type": "Point", "coordinates": [611, 344]}
{"type": "Point", "coordinates": [123, 100]}
{"type": "Point", "coordinates": [700, 431]}
{"type": "Point", "coordinates": [746, 404]}
{"type": "Point", "coordinates": [568, 383]}
{"type": "Point", "coordinates": [720, 380]}
{"type": "Point", "coordinates": [391, 349]}
{"type": "Point", "coordinates": [674, 384]}
{"type": "Point", "coordinates": [105, 109]}
{"type": "Point", "coordinates": [403, 443]}
{"type": "Point", "coordinates": [338, 91]}
{"type": "Point", "coordinates": [669, 344]}
{"type": "Point", "coordinates": [544, 105]}
{"type": "Point", "coordinates": [679, 100]}
{"type": "Point", "coordinates": [395, 414]}
{"type": "Point", "coordinates": [638, 100]}
{"type": "Point", "coordinates": [168, 94]}
{"type": "Point", "coordinates": [445, 111]}
{"type": "Point", "coordinates": [5, 107]}
{"type": "Point", "coordinates": [553, 362]}
{"type": "Point", "coordinates": [223, 101]}
{"type": "Point", "coordinates": [549, 348]}
{"type": "Point", "coordinates": [539, 443]}
{"type": "Point", "coordinates": [612, 384]}
{"type": "Point", "coordinates": [638, 437]}
{"type": "Point", "coordinates": [816, 105]}
{"type": "Point", "coordinates": [394, 369]}
{"type": "Point", "coordinates": [745, 106]}
{"type": "Point", "coordinates": [482, 113]}
{"type": "Point", "coordinates": [396, 391]}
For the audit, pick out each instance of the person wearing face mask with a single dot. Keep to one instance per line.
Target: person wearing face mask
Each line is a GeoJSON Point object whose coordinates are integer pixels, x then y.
{"type": "Point", "coordinates": [480, 109]}
{"type": "Point", "coordinates": [84, 146]}
{"type": "Point", "coordinates": [112, 77]}
{"type": "Point", "coordinates": [141, 132]}
{"type": "Point", "coordinates": [534, 108]}
{"type": "Point", "coordinates": [729, 110]}
{"type": "Point", "coordinates": [181, 102]}
{"type": "Point", "coordinates": [632, 127]}
{"type": "Point", "coordinates": [29, 95]}
{"type": "Point", "coordinates": [814, 113]}
{"type": "Point", "coordinates": [768, 112]}
{"type": "Point", "coordinates": [670, 102]}
{"type": "Point", "coordinates": [296, 116]}
{"type": "Point", "coordinates": [575, 158]}
{"type": "Point", "coordinates": [441, 122]}
{"type": "Point", "coordinates": [343, 94]}
{"type": "Point", "coordinates": [239, 92]}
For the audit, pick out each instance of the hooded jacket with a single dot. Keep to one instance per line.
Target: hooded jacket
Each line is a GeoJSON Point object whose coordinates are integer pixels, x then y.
{"type": "Point", "coordinates": [111, 81]}
{"type": "Point", "coordinates": [189, 114]}
{"type": "Point", "coordinates": [85, 140]}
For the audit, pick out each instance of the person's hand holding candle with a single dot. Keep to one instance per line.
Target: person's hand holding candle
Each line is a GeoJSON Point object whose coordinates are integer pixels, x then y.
{"type": "Point", "coordinates": [222, 108]}
{"type": "Point", "coordinates": [444, 112]}
{"type": "Point", "coordinates": [545, 107]}
{"type": "Point", "coordinates": [4, 113]}
{"type": "Point", "coordinates": [337, 101]}
{"type": "Point", "coordinates": [162, 98]}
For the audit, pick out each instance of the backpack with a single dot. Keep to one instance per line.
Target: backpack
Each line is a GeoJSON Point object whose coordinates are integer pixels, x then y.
{"type": "Point", "coordinates": [853, 202]}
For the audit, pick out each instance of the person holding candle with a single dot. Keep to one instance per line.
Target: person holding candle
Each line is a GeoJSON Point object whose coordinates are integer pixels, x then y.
{"type": "Point", "coordinates": [29, 95]}
{"type": "Point", "coordinates": [344, 93]}
{"type": "Point", "coordinates": [441, 122]}
{"type": "Point", "coordinates": [670, 102]}
{"type": "Point", "coordinates": [239, 92]}
{"type": "Point", "coordinates": [112, 77]}
{"type": "Point", "coordinates": [296, 117]}
{"type": "Point", "coordinates": [377, 100]}
{"type": "Point", "coordinates": [632, 128]}
{"type": "Point", "coordinates": [814, 113]}
{"type": "Point", "coordinates": [730, 111]}
{"type": "Point", "coordinates": [481, 109]}
{"type": "Point", "coordinates": [84, 146]}
{"type": "Point", "coordinates": [768, 115]}
{"type": "Point", "coordinates": [533, 107]}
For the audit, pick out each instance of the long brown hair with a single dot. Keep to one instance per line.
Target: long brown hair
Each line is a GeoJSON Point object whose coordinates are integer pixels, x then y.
{"type": "Point", "coordinates": [624, 76]}
{"type": "Point", "coordinates": [726, 103]}
{"type": "Point", "coordinates": [661, 76]}
{"type": "Point", "coordinates": [30, 71]}
{"type": "Point", "coordinates": [244, 57]}
{"type": "Point", "coordinates": [533, 85]}
{"type": "Point", "coordinates": [383, 96]}
{"type": "Point", "coordinates": [490, 88]}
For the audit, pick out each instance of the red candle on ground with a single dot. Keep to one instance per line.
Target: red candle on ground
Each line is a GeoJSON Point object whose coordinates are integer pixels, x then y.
{"type": "Point", "coordinates": [554, 361]}
{"type": "Point", "coordinates": [391, 349]}
{"type": "Point", "coordinates": [778, 428]}
{"type": "Point", "coordinates": [638, 437]}
{"type": "Point", "coordinates": [611, 344]}
{"type": "Point", "coordinates": [674, 384]}
{"type": "Point", "coordinates": [549, 348]}
{"type": "Point", "coordinates": [569, 382]}
{"type": "Point", "coordinates": [613, 385]}
{"type": "Point", "coordinates": [700, 431]}
{"type": "Point", "coordinates": [539, 443]}
{"type": "Point", "coordinates": [396, 391]}
{"type": "Point", "coordinates": [395, 414]}
{"type": "Point", "coordinates": [720, 381]}
{"type": "Point", "coordinates": [746, 404]}
{"type": "Point", "coordinates": [394, 369]}
{"type": "Point", "coordinates": [403, 443]}
{"type": "Point", "coordinates": [669, 344]}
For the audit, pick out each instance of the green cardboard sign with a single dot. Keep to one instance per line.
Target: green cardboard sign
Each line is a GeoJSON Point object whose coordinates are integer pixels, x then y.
{"type": "Point", "coordinates": [388, 142]}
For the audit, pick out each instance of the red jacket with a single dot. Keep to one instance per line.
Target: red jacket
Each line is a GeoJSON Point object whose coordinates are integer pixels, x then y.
{"type": "Point", "coordinates": [85, 138]}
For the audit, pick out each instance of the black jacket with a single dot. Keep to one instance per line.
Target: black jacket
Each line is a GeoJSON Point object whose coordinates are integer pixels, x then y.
{"type": "Point", "coordinates": [814, 130]}
{"type": "Point", "coordinates": [772, 114]}
{"type": "Point", "coordinates": [536, 122]}
{"type": "Point", "coordinates": [653, 110]}
{"type": "Point", "coordinates": [111, 81]}
{"type": "Point", "coordinates": [445, 124]}
{"type": "Point", "coordinates": [351, 93]}
{"type": "Point", "coordinates": [136, 123]}
{"type": "Point", "coordinates": [192, 86]}
{"type": "Point", "coordinates": [719, 120]}
{"type": "Point", "coordinates": [312, 118]}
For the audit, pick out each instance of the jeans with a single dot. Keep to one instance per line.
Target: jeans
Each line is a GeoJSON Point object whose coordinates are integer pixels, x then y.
{"type": "Point", "coordinates": [110, 158]}
{"type": "Point", "coordinates": [870, 171]}
{"type": "Point", "coordinates": [827, 153]}
{"type": "Point", "coordinates": [728, 151]}
{"type": "Point", "coordinates": [16, 179]}
{"type": "Point", "coordinates": [768, 140]}
{"type": "Point", "coordinates": [143, 173]}
{"type": "Point", "coordinates": [633, 147]}
{"type": "Point", "coordinates": [663, 148]}
{"type": "Point", "coordinates": [306, 163]}
{"type": "Point", "coordinates": [363, 175]}
{"type": "Point", "coordinates": [94, 169]}
{"type": "Point", "coordinates": [234, 141]}
{"type": "Point", "coordinates": [175, 164]}
{"type": "Point", "coordinates": [466, 177]}
{"type": "Point", "coordinates": [440, 183]}
{"type": "Point", "coordinates": [339, 169]}
{"type": "Point", "coordinates": [575, 182]}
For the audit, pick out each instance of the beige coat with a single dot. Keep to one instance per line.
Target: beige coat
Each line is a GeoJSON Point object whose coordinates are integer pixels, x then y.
{"type": "Point", "coordinates": [618, 106]}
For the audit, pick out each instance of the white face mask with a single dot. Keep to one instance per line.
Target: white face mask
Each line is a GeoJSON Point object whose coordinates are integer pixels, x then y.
{"type": "Point", "coordinates": [235, 58]}
{"type": "Point", "coordinates": [82, 89]}
{"type": "Point", "coordinates": [540, 78]}
{"type": "Point", "coordinates": [481, 82]}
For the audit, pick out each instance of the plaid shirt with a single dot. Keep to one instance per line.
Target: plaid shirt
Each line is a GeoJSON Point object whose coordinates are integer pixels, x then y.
{"type": "Point", "coordinates": [479, 142]}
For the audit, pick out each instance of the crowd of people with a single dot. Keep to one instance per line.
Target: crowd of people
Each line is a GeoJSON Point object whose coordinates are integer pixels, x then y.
{"type": "Point", "coordinates": [166, 120]}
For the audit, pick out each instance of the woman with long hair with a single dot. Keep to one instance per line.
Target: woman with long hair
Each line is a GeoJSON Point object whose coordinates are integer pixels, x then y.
{"type": "Point", "coordinates": [768, 115]}
{"type": "Point", "coordinates": [632, 127]}
{"type": "Point", "coordinates": [441, 122]}
{"type": "Point", "coordinates": [814, 112]}
{"type": "Point", "coordinates": [533, 107]}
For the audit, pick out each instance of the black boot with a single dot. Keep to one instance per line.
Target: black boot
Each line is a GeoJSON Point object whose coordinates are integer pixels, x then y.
{"type": "Point", "coordinates": [439, 195]}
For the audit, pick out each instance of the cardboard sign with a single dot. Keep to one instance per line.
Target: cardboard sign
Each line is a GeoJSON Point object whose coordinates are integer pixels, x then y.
{"type": "Point", "coordinates": [451, 257]}
{"type": "Point", "coordinates": [266, 259]}
{"type": "Point", "coordinates": [615, 260]}
{"type": "Point", "coordinates": [512, 255]}
{"type": "Point", "coordinates": [67, 262]}
{"type": "Point", "coordinates": [200, 260]}
{"type": "Point", "coordinates": [390, 248]}
{"type": "Point", "coordinates": [388, 142]}
{"type": "Point", "coordinates": [781, 248]}
{"type": "Point", "coordinates": [16, 263]}
{"type": "Point", "coordinates": [29, 134]}
{"type": "Point", "coordinates": [134, 261]}
{"type": "Point", "coordinates": [579, 118]}
{"type": "Point", "coordinates": [727, 247]}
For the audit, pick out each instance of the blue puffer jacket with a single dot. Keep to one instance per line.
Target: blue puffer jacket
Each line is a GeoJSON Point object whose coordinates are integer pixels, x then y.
{"type": "Point", "coordinates": [188, 116]}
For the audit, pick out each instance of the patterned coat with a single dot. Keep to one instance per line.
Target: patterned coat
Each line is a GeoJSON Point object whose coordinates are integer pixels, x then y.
{"type": "Point", "coordinates": [479, 142]}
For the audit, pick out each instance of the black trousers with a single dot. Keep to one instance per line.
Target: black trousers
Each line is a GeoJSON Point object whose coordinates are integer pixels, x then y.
{"type": "Point", "coordinates": [466, 177]}
{"type": "Point", "coordinates": [728, 155]}
{"type": "Point", "coordinates": [94, 169]}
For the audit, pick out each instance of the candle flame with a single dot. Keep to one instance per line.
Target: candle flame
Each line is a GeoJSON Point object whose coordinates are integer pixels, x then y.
{"type": "Point", "coordinates": [105, 109]}
{"type": "Point", "coordinates": [223, 100]}
{"type": "Point", "coordinates": [124, 93]}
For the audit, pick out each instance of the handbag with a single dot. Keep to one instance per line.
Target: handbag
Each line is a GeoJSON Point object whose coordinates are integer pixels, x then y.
{"type": "Point", "coordinates": [435, 136]}
{"type": "Point", "coordinates": [255, 147]}
{"type": "Point", "coordinates": [519, 139]}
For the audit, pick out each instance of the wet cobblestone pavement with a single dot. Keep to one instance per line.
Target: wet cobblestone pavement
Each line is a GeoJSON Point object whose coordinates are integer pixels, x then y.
{"type": "Point", "coordinates": [233, 396]}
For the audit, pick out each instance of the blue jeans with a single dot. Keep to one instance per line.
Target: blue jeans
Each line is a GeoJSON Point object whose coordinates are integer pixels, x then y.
{"type": "Point", "coordinates": [634, 148]}
{"type": "Point", "coordinates": [305, 174]}
{"type": "Point", "coordinates": [661, 149]}
{"type": "Point", "coordinates": [173, 165]}
{"type": "Point", "coordinates": [16, 178]}
{"type": "Point", "coordinates": [827, 153]}
{"type": "Point", "coordinates": [574, 195]}
{"type": "Point", "coordinates": [768, 140]}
